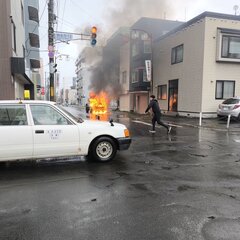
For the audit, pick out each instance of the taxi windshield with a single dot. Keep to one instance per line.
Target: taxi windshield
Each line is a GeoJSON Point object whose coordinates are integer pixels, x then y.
{"type": "Point", "coordinates": [76, 118]}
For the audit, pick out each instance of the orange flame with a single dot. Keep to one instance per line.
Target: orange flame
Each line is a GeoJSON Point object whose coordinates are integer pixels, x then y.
{"type": "Point", "coordinates": [98, 105]}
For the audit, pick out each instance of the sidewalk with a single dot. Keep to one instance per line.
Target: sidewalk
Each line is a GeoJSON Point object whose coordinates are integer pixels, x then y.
{"type": "Point", "coordinates": [211, 123]}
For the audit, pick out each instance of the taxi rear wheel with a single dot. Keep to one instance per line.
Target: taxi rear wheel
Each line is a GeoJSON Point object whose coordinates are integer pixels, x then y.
{"type": "Point", "coordinates": [102, 149]}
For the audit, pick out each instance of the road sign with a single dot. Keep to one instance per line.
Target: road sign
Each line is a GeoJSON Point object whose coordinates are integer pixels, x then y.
{"type": "Point", "coordinates": [63, 37]}
{"type": "Point", "coordinates": [51, 54]}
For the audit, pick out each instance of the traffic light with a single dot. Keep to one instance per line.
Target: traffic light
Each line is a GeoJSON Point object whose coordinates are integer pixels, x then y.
{"type": "Point", "coordinates": [53, 67]}
{"type": "Point", "coordinates": [93, 36]}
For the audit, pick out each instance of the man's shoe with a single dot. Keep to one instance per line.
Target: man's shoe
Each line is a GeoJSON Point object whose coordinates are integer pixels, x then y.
{"type": "Point", "coordinates": [169, 129]}
{"type": "Point", "coordinates": [152, 131]}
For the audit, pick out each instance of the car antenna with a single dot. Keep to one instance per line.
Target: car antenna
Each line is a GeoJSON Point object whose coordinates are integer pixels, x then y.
{"type": "Point", "coordinates": [111, 122]}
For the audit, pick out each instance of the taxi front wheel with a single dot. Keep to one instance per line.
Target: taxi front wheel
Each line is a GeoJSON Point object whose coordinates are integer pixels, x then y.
{"type": "Point", "coordinates": [103, 149]}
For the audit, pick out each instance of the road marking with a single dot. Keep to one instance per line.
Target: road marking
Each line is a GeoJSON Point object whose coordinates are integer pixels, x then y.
{"type": "Point", "coordinates": [142, 123]}
{"type": "Point", "coordinates": [149, 124]}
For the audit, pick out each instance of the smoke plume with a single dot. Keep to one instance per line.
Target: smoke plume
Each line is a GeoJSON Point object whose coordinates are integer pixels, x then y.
{"type": "Point", "coordinates": [125, 14]}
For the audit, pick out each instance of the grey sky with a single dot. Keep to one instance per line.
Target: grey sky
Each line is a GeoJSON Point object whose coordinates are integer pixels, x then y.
{"type": "Point", "coordinates": [75, 16]}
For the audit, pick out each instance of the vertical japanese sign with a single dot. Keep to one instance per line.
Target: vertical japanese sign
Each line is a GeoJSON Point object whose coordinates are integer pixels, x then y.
{"type": "Point", "coordinates": [148, 69]}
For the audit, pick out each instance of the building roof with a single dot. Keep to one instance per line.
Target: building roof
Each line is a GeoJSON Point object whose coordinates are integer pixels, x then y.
{"type": "Point", "coordinates": [198, 18]}
{"type": "Point", "coordinates": [118, 38]}
{"type": "Point", "coordinates": [155, 27]}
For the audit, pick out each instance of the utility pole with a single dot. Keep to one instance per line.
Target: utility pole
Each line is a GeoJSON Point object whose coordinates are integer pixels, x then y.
{"type": "Point", "coordinates": [51, 47]}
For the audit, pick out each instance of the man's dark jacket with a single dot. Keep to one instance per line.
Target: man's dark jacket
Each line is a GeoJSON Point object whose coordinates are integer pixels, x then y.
{"type": "Point", "coordinates": [155, 107]}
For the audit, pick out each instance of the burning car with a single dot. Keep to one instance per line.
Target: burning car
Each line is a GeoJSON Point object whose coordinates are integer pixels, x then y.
{"type": "Point", "coordinates": [99, 106]}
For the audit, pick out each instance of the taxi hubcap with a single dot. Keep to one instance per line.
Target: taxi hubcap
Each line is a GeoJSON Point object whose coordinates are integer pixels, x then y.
{"type": "Point", "coordinates": [104, 149]}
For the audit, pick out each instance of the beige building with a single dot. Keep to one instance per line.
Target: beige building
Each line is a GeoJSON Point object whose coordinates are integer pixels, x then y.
{"type": "Point", "coordinates": [197, 65]}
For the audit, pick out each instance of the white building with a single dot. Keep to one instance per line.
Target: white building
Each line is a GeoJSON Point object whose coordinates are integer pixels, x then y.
{"type": "Point", "coordinates": [84, 64]}
{"type": "Point", "coordinates": [197, 65]}
{"type": "Point", "coordinates": [72, 96]}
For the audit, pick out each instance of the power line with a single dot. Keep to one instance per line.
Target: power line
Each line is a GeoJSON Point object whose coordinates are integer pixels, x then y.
{"type": "Point", "coordinates": [67, 22]}
{"type": "Point", "coordinates": [83, 10]}
{"type": "Point", "coordinates": [63, 11]}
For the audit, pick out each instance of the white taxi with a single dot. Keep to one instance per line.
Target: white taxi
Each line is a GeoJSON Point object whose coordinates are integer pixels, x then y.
{"type": "Point", "coordinates": [41, 129]}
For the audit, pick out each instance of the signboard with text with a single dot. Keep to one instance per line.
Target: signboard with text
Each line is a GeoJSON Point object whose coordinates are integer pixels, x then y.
{"type": "Point", "coordinates": [63, 37]}
{"type": "Point", "coordinates": [148, 70]}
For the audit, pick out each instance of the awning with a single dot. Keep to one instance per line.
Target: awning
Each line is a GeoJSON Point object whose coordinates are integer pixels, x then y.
{"type": "Point", "coordinates": [23, 77]}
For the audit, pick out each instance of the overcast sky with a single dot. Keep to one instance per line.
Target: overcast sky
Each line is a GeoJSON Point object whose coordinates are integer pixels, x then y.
{"type": "Point", "coordinates": [108, 15]}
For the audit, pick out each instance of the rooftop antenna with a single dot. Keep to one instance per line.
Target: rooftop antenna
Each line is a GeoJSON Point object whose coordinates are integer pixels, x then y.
{"type": "Point", "coordinates": [235, 8]}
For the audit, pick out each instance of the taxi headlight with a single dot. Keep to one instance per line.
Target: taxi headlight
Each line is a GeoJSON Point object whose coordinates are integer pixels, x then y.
{"type": "Point", "coordinates": [126, 133]}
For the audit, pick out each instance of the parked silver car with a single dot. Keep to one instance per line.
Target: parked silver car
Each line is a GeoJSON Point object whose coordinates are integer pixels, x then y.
{"type": "Point", "coordinates": [231, 107]}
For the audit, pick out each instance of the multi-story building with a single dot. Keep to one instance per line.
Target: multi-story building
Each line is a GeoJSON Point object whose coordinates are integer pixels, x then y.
{"type": "Point", "coordinates": [88, 58]}
{"type": "Point", "coordinates": [72, 96]}
{"type": "Point", "coordinates": [197, 65]}
{"type": "Point", "coordinates": [80, 72]}
{"type": "Point", "coordinates": [124, 61]}
{"type": "Point", "coordinates": [142, 35]}
{"type": "Point", "coordinates": [32, 45]}
{"type": "Point", "coordinates": [14, 79]}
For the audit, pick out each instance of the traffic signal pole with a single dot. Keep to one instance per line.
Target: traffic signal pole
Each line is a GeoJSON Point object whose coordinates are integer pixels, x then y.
{"type": "Point", "coordinates": [51, 47]}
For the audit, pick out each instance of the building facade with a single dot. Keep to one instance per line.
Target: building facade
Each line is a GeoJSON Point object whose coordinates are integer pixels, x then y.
{"type": "Point", "coordinates": [197, 65]}
{"type": "Point", "coordinates": [85, 63]}
{"type": "Point", "coordinates": [32, 45]}
{"type": "Point", "coordinates": [124, 96]}
{"type": "Point", "coordinates": [142, 35]}
{"type": "Point", "coordinates": [14, 78]}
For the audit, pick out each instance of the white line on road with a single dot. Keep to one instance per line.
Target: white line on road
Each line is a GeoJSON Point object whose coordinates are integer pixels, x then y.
{"type": "Point", "coordinates": [149, 124]}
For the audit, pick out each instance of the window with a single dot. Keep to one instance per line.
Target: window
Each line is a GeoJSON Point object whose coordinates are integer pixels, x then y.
{"type": "Point", "coordinates": [13, 115]}
{"type": "Point", "coordinates": [135, 75]}
{"type": "Point", "coordinates": [177, 54]}
{"type": "Point", "coordinates": [228, 45]}
{"type": "Point", "coordinates": [145, 76]}
{"type": "Point", "coordinates": [135, 49]}
{"type": "Point", "coordinates": [162, 92]}
{"type": "Point", "coordinates": [147, 46]}
{"type": "Point", "coordinates": [34, 40]}
{"type": "Point", "coordinates": [14, 43]}
{"type": "Point", "coordinates": [46, 115]}
{"type": "Point", "coordinates": [124, 77]}
{"type": "Point", "coordinates": [33, 14]}
{"type": "Point", "coordinates": [224, 89]}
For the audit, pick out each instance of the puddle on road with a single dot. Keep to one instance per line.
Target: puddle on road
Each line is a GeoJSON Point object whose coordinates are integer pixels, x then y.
{"type": "Point", "coordinates": [224, 229]}
{"type": "Point", "coordinates": [185, 188]}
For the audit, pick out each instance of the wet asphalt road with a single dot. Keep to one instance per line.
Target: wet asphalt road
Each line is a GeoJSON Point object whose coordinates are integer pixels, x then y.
{"type": "Point", "coordinates": [182, 186]}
